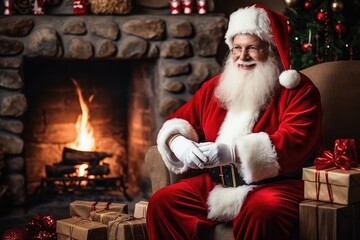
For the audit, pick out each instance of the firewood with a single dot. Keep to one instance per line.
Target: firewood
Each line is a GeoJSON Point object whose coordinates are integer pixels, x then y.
{"type": "Point", "coordinates": [59, 170]}
{"type": "Point", "coordinates": [99, 170]}
{"type": "Point", "coordinates": [77, 157]}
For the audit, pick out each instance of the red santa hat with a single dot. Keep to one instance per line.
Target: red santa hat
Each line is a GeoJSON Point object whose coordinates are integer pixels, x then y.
{"type": "Point", "coordinates": [269, 26]}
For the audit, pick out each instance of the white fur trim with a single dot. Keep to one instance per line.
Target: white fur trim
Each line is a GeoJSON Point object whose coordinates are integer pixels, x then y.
{"type": "Point", "coordinates": [237, 123]}
{"type": "Point", "coordinates": [289, 78]}
{"type": "Point", "coordinates": [225, 203]}
{"type": "Point", "coordinates": [169, 128]}
{"type": "Point", "coordinates": [258, 157]}
{"type": "Point", "coordinates": [249, 20]}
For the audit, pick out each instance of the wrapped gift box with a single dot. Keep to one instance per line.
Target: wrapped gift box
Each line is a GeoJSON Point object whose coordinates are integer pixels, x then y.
{"type": "Point", "coordinates": [105, 216]}
{"type": "Point", "coordinates": [140, 209]}
{"type": "Point", "coordinates": [80, 229]}
{"type": "Point", "coordinates": [80, 208]}
{"type": "Point", "coordinates": [130, 229]}
{"type": "Point", "coordinates": [309, 219]}
{"type": "Point", "coordinates": [332, 185]}
{"type": "Point", "coordinates": [329, 221]}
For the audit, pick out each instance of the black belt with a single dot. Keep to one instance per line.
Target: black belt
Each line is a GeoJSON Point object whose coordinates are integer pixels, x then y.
{"type": "Point", "coordinates": [227, 175]}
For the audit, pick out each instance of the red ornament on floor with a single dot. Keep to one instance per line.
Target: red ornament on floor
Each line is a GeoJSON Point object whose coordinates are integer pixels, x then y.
{"type": "Point", "coordinates": [42, 227]}
{"type": "Point", "coordinates": [16, 233]}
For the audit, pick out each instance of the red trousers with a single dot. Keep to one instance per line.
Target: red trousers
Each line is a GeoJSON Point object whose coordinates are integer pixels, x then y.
{"type": "Point", "coordinates": [179, 211]}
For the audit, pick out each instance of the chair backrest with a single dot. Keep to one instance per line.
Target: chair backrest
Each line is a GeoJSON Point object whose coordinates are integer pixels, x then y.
{"type": "Point", "coordinates": [339, 86]}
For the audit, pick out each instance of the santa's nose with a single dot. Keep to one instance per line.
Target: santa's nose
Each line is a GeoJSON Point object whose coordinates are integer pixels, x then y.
{"type": "Point", "coordinates": [244, 55]}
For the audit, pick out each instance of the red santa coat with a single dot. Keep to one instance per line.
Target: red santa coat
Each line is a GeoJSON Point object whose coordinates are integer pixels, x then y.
{"type": "Point", "coordinates": [271, 142]}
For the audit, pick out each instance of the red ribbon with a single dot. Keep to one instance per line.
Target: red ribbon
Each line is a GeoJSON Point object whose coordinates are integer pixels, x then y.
{"type": "Point", "coordinates": [107, 207]}
{"type": "Point", "coordinates": [93, 206]}
{"type": "Point", "coordinates": [344, 158]}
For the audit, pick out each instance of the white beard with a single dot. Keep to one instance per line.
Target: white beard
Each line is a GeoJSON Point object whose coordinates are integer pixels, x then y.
{"type": "Point", "coordinates": [248, 90]}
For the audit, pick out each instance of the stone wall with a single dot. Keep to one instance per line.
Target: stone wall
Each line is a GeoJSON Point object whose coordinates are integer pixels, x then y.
{"type": "Point", "coordinates": [184, 48]}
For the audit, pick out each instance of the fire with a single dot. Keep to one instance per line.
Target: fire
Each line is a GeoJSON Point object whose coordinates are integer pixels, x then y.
{"type": "Point", "coordinates": [82, 170]}
{"type": "Point", "coordinates": [85, 140]}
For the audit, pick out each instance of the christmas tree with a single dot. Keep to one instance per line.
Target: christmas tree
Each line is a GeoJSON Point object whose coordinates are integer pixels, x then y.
{"type": "Point", "coordinates": [323, 31]}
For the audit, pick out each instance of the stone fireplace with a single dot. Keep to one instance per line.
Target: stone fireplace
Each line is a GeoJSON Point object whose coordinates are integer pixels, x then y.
{"type": "Point", "coordinates": [141, 67]}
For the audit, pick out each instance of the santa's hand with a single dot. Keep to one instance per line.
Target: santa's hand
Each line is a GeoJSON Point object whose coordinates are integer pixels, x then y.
{"type": "Point", "coordinates": [217, 153]}
{"type": "Point", "coordinates": [187, 152]}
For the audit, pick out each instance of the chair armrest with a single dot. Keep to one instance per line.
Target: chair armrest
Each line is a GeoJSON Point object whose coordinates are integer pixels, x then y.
{"type": "Point", "coordinates": [159, 174]}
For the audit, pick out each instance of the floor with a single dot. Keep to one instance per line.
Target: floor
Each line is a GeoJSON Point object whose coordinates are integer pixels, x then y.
{"type": "Point", "coordinates": [57, 206]}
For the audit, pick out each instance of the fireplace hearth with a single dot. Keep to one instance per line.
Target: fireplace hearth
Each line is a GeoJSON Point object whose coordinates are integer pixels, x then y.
{"type": "Point", "coordinates": [81, 172]}
{"type": "Point", "coordinates": [166, 59]}
{"type": "Point", "coordinates": [84, 106]}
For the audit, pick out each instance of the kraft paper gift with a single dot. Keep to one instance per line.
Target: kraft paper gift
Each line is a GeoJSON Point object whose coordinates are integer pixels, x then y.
{"type": "Point", "coordinates": [105, 216]}
{"type": "Point", "coordinates": [140, 209]}
{"type": "Point", "coordinates": [329, 221]}
{"type": "Point", "coordinates": [332, 185]}
{"type": "Point", "coordinates": [80, 229]}
{"type": "Point", "coordinates": [81, 208]}
{"type": "Point", "coordinates": [309, 219]}
{"type": "Point", "coordinates": [127, 228]}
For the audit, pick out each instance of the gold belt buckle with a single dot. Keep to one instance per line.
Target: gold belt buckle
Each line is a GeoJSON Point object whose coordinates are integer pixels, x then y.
{"type": "Point", "coordinates": [227, 175]}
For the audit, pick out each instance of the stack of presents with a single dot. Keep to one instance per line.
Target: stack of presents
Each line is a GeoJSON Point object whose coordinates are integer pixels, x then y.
{"type": "Point", "coordinates": [103, 221]}
{"type": "Point", "coordinates": [331, 210]}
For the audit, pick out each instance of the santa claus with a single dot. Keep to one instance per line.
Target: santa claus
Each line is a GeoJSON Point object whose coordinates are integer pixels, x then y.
{"type": "Point", "coordinates": [253, 126]}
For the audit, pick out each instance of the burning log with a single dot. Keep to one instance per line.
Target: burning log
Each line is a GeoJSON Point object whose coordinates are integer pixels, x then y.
{"type": "Point", "coordinates": [99, 170]}
{"type": "Point", "coordinates": [59, 170]}
{"type": "Point", "coordinates": [77, 157]}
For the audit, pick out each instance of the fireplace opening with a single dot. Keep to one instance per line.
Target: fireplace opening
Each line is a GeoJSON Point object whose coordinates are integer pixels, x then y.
{"type": "Point", "coordinates": [110, 89]}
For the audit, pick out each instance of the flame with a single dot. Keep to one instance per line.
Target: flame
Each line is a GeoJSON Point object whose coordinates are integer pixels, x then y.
{"type": "Point", "coordinates": [85, 140]}
{"type": "Point", "coordinates": [82, 169]}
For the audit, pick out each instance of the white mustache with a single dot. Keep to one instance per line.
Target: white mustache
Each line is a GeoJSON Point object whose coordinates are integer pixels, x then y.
{"type": "Point", "coordinates": [245, 63]}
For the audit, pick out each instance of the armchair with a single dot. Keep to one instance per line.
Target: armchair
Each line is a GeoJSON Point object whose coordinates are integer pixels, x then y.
{"type": "Point", "coordinates": [339, 86]}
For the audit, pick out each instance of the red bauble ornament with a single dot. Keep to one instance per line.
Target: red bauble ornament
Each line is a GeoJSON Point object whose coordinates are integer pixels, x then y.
{"type": "Point", "coordinates": [45, 235]}
{"type": "Point", "coordinates": [16, 233]}
{"type": "Point", "coordinates": [42, 227]}
{"type": "Point", "coordinates": [340, 28]}
{"type": "Point", "coordinates": [308, 5]}
{"type": "Point", "coordinates": [289, 27]}
{"type": "Point", "coordinates": [306, 47]}
{"type": "Point", "coordinates": [321, 16]}
{"type": "Point", "coordinates": [49, 223]}
{"type": "Point", "coordinates": [33, 225]}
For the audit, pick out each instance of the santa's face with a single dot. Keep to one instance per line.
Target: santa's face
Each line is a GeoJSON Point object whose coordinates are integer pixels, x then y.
{"type": "Point", "coordinates": [248, 50]}
{"type": "Point", "coordinates": [250, 75]}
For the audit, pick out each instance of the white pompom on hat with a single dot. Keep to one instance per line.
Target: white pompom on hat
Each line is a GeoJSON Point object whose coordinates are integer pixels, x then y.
{"type": "Point", "coordinates": [269, 26]}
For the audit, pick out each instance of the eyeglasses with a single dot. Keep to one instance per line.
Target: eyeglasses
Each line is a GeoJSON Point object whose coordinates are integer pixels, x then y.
{"type": "Point", "coordinates": [251, 50]}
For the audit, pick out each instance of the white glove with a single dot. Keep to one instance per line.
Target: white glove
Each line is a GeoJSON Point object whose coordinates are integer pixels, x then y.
{"type": "Point", "coordinates": [217, 153]}
{"type": "Point", "coordinates": [187, 152]}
